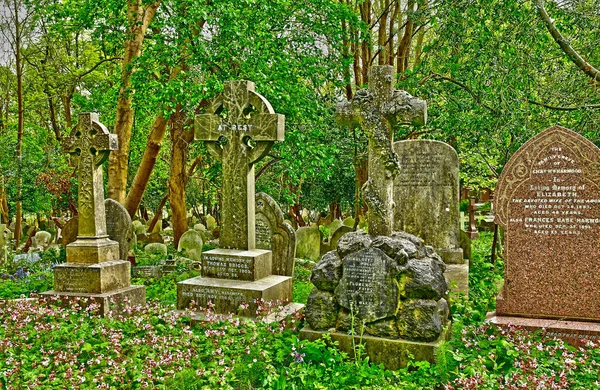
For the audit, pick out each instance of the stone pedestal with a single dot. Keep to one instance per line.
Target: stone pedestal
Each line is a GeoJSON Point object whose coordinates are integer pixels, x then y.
{"type": "Point", "coordinates": [458, 278]}
{"type": "Point", "coordinates": [244, 278]}
{"type": "Point", "coordinates": [115, 300]}
{"type": "Point", "coordinates": [393, 353]}
{"type": "Point", "coordinates": [575, 333]}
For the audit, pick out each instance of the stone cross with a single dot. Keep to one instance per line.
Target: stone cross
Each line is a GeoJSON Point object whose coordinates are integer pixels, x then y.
{"type": "Point", "coordinates": [378, 110]}
{"type": "Point", "coordinates": [90, 143]}
{"type": "Point", "coordinates": [239, 129]}
{"type": "Point", "coordinates": [472, 230]}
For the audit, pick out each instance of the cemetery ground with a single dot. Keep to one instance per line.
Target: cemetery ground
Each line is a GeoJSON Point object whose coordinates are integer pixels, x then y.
{"type": "Point", "coordinates": [48, 347]}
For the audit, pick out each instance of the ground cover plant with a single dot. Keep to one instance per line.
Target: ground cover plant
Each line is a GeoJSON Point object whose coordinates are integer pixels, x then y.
{"type": "Point", "coordinates": [52, 347]}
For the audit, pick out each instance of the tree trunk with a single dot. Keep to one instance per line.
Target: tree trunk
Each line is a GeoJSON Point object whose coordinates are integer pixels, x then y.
{"type": "Point", "coordinates": [382, 33]}
{"type": "Point", "coordinates": [405, 42]}
{"type": "Point", "coordinates": [20, 125]}
{"type": "Point", "coordinates": [419, 46]}
{"type": "Point", "coordinates": [180, 139]}
{"type": "Point", "coordinates": [142, 176]}
{"type": "Point", "coordinates": [3, 203]}
{"type": "Point", "coordinates": [158, 213]}
{"type": "Point", "coordinates": [139, 18]}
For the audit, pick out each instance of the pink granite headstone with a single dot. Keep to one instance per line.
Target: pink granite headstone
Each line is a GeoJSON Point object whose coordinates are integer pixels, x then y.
{"type": "Point", "coordinates": [548, 201]}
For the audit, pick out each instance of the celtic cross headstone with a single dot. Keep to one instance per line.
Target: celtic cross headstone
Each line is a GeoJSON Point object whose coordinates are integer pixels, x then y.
{"type": "Point", "coordinates": [93, 268]}
{"type": "Point", "coordinates": [238, 128]}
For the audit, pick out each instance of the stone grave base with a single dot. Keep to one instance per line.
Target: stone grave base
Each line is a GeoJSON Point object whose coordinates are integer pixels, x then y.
{"type": "Point", "coordinates": [458, 278]}
{"type": "Point", "coordinates": [393, 353]}
{"type": "Point", "coordinates": [117, 300]}
{"type": "Point", "coordinates": [276, 316]}
{"type": "Point", "coordinates": [572, 332]}
{"type": "Point", "coordinates": [226, 295]}
{"type": "Point", "coordinates": [451, 256]}
{"type": "Point", "coordinates": [92, 278]}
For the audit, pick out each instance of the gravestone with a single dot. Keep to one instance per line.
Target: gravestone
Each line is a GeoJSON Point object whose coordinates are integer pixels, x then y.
{"type": "Point", "coordinates": [5, 235]}
{"type": "Point", "coordinates": [238, 129]}
{"type": "Point", "coordinates": [389, 292]}
{"type": "Point", "coordinates": [147, 272]}
{"type": "Point", "coordinates": [379, 110]}
{"type": "Point", "coordinates": [191, 243]}
{"type": "Point", "coordinates": [118, 226]}
{"type": "Point", "coordinates": [42, 239]}
{"type": "Point", "coordinates": [426, 192]}
{"type": "Point", "coordinates": [472, 230]}
{"type": "Point", "coordinates": [548, 201]}
{"type": "Point", "coordinates": [93, 269]}
{"type": "Point", "coordinates": [156, 248]}
{"type": "Point", "coordinates": [333, 226]}
{"type": "Point", "coordinates": [333, 241]}
{"type": "Point", "coordinates": [138, 227]}
{"type": "Point", "coordinates": [276, 235]}
{"type": "Point", "coordinates": [308, 242]}
{"type": "Point", "coordinates": [69, 231]}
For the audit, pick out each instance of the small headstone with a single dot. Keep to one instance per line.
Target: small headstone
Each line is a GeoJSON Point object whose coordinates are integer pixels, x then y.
{"type": "Point", "coordinates": [199, 227]}
{"type": "Point", "coordinates": [191, 245]}
{"type": "Point", "coordinates": [274, 234]}
{"type": "Point", "coordinates": [349, 222]}
{"type": "Point", "coordinates": [118, 226]}
{"type": "Point", "coordinates": [139, 227]}
{"type": "Point", "coordinates": [333, 226]}
{"type": "Point", "coordinates": [548, 201]}
{"type": "Point", "coordinates": [147, 272]}
{"type": "Point", "coordinates": [69, 231]}
{"type": "Point", "coordinates": [211, 223]}
{"type": "Point", "coordinates": [426, 191]}
{"type": "Point", "coordinates": [42, 239]}
{"type": "Point", "coordinates": [156, 248]}
{"type": "Point", "coordinates": [308, 242]}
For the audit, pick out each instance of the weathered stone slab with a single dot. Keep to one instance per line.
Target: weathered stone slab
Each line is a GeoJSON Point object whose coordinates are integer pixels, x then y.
{"type": "Point", "coordinates": [118, 226]}
{"type": "Point", "coordinates": [227, 295]}
{"type": "Point", "coordinates": [273, 233]}
{"type": "Point", "coordinates": [308, 242]}
{"type": "Point", "coordinates": [426, 194]}
{"type": "Point", "coordinates": [548, 201]}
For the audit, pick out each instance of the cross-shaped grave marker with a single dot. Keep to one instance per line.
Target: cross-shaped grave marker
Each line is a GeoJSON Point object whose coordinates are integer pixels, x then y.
{"type": "Point", "coordinates": [378, 110]}
{"type": "Point", "coordinates": [239, 129]}
{"type": "Point", "coordinates": [93, 269]}
{"type": "Point", "coordinates": [90, 144]}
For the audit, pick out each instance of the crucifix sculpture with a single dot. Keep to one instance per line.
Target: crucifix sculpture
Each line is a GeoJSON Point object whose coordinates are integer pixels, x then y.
{"type": "Point", "coordinates": [378, 110]}
{"type": "Point", "coordinates": [239, 129]}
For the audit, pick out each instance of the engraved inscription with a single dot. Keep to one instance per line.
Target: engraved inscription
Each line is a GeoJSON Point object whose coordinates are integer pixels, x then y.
{"type": "Point", "coordinates": [420, 170]}
{"type": "Point", "coordinates": [228, 268]}
{"type": "Point", "coordinates": [75, 280]}
{"type": "Point", "coordinates": [263, 232]}
{"type": "Point", "coordinates": [556, 200]}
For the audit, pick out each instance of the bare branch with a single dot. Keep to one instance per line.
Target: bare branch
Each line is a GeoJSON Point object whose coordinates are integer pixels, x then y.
{"type": "Point", "coordinates": [557, 108]}
{"type": "Point", "coordinates": [475, 97]}
{"type": "Point", "coordinates": [571, 53]}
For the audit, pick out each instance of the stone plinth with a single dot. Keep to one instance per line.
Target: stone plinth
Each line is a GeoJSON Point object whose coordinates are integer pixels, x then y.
{"type": "Point", "coordinates": [227, 295]}
{"type": "Point", "coordinates": [92, 250]}
{"type": "Point", "coordinates": [250, 265]}
{"type": "Point", "coordinates": [116, 300]}
{"type": "Point", "coordinates": [575, 333]}
{"type": "Point", "coordinates": [393, 353]}
{"type": "Point", "coordinates": [92, 278]}
{"type": "Point", "coordinates": [458, 278]}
